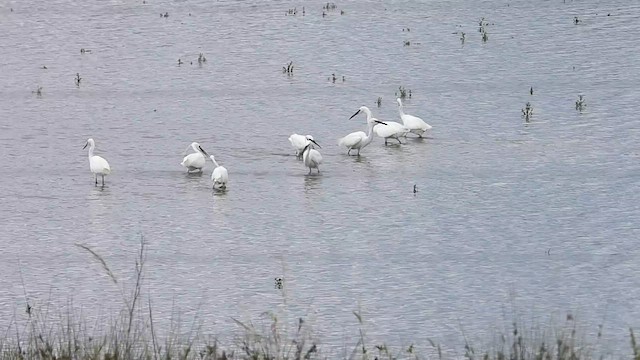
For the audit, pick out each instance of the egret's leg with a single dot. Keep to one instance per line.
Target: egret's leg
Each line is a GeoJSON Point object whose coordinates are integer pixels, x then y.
{"type": "Point", "coordinates": [102, 180]}
{"type": "Point", "coordinates": [385, 141]}
{"type": "Point", "coordinates": [96, 179]}
{"type": "Point", "coordinates": [399, 140]}
{"type": "Point", "coordinates": [309, 171]}
{"type": "Point", "coordinates": [349, 152]}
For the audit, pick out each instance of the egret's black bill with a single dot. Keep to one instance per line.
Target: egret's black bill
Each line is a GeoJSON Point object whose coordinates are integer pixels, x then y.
{"type": "Point", "coordinates": [380, 122]}
{"type": "Point", "coordinates": [357, 112]}
{"type": "Point", "coordinates": [313, 141]}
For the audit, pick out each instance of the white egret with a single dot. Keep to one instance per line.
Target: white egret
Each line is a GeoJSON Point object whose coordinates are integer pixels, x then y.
{"type": "Point", "coordinates": [219, 176]}
{"type": "Point", "coordinates": [360, 139]}
{"type": "Point", "coordinates": [311, 157]}
{"type": "Point", "coordinates": [393, 130]}
{"type": "Point", "coordinates": [298, 142]}
{"type": "Point", "coordinates": [413, 123]}
{"type": "Point", "coordinates": [97, 164]}
{"type": "Point", "coordinates": [194, 161]}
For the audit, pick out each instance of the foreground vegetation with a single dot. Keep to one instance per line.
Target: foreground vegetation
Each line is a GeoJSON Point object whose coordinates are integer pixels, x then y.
{"type": "Point", "coordinates": [133, 336]}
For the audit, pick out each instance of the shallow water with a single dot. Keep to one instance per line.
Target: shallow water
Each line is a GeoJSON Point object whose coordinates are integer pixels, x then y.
{"type": "Point", "coordinates": [538, 216]}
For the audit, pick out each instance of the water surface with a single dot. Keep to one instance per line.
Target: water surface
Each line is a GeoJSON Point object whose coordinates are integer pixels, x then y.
{"type": "Point", "coordinates": [538, 216]}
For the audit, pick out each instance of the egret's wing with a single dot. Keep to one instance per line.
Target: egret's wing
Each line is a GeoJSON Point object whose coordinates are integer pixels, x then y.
{"type": "Point", "coordinates": [414, 123]}
{"type": "Point", "coordinates": [316, 157]}
{"type": "Point", "coordinates": [298, 141]}
{"type": "Point", "coordinates": [194, 160]}
{"type": "Point", "coordinates": [352, 139]}
{"type": "Point", "coordinates": [99, 165]}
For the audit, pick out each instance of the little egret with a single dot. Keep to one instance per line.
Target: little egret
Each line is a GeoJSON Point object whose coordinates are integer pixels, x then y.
{"type": "Point", "coordinates": [298, 142]}
{"type": "Point", "coordinates": [220, 176]}
{"type": "Point", "coordinates": [413, 123]}
{"type": "Point", "coordinates": [311, 157]}
{"type": "Point", "coordinates": [360, 139]}
{"type": "Point", "coordinates": [97, 164]}
{"type": "Point", "coordinates": [393, 130]}
{"type": "Point", "coordinates": [196, 160]}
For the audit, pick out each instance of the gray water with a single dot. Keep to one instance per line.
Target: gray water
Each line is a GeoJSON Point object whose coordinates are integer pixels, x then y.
{"type": "Point", "coordinates": [538, 217]}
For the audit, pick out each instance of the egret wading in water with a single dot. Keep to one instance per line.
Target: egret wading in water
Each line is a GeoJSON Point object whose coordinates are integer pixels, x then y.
{"type": "Point", "coordinates": [359, 139]}
{"type": "Point", "coordinates": [311, 157]}
{"type": "Point", "coordinates": [393, 130]}
{"type": "Point", "coordinates": [219, 176]}
{"type": "Point", "coordinates": [413, 123]}
{"type": "Point", "coordinates": [194, 161]}
{"type": "Point", "coordinates": [299, 142]}
{"type": "Point", "coordinates": [97, 164]}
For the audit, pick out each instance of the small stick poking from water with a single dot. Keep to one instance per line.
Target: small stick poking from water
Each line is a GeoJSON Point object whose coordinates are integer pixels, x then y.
{"type": "Point", "coordinates": [580, 103]}
{"type": "Point", "coordinates": [288, 69]}
{"type": "Point", "coordinates": [201, 59]}
{"type": "Point", "coordinates": [527, 112]}
{"type": "Point", "coordinates": [278, 283]}
{"type": "Point", "coordinates": [403, 92]}
{"type": "Point", "coordinates": [415, 188]}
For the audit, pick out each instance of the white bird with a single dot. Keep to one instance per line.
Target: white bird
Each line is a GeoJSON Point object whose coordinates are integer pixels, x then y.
{"type": "Point", "coordinates": [298, 142]}
{"type": "Point", "coordinates": [311, 157]}
{"type": "Point", "coordinates": [393, 130]}
{"type": "Point", "coordinates": [97, 164]}
{"type": "Point", "coordinates": [194, 161]}
{"type": "Point", "coordinates": [413, 123]}
{"type": "Point", "coordinates": [360, 139]}
{"type": "Point", "coordinates": [219, 176]}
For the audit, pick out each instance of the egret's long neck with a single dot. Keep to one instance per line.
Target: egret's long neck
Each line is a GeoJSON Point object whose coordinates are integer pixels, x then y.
{"type": "Point", "coordinates": [368, 112]}
{"type": "Point", "coordinates": [401, 110]}
{"type": "Point", "coordinates": [91, 148]}
{"type": "Point", "coordinates": [305, 152]}
{"type": "Point", "coordinates": [370, 126]}
{"type": "Point", "coordinates": [215, 163]}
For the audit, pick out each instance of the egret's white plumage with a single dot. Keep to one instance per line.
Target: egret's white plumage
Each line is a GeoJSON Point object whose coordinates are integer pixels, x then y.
{"type": "Point", "coordinates": [359, 139]}
{"type": "Point", "coordinates": [413, 123]}
{"type": "Point", "coordinates": [219, 176]}
{"type": "Point", "coordinates": [311, 157]}
{"type": "Point", "coordinates": [98, 165]}
{"type": "Point", "coordinates": [194, 161]}
{"type": "Point", "coordinates": [298, 142]}
{"type": "Point", "coordinates": [393, 130]}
